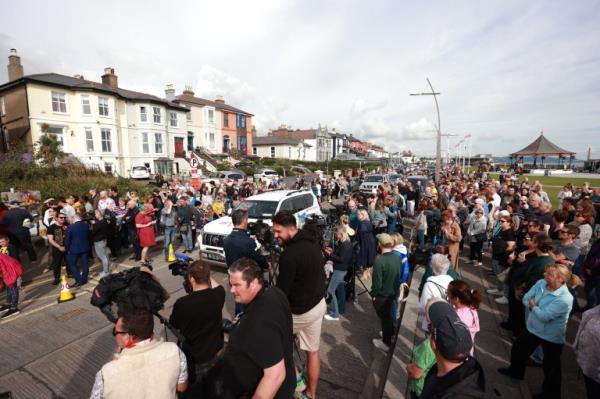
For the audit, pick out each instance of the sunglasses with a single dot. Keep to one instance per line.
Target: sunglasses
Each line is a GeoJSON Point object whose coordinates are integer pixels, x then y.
{"type": "Point", "coordinates": [115, 332]}
{"type": "Point", "coordinates": [503, 221]}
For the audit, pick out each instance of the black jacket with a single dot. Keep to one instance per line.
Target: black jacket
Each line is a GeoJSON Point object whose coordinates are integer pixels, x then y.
{"type": "Point", "coordinates": [238, 245]}
{"type": "Point", "coordinates": [464, 382]}
{"type": "Point", "coordinates": [99, 230]}
{"type": "Point", "coordinates": [342, 256]}
{"type": "Point", "coordinates": [301, 274]}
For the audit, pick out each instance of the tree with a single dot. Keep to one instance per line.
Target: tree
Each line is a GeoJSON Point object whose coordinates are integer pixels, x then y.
{"type": "Point", "coordinates": [48, 148]}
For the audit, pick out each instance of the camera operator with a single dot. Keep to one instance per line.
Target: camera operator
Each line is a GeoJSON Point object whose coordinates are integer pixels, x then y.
{"type": "Point", "coordinates": [198, 316]}
{"type": "Point", "coordinates": [258, 361]}
{"type": "Point", "coordinates": [142, 367]}
{"type": "Point", "coordinates": [238, 245]}
{"type": "Point", "coordinates": [302, 279]}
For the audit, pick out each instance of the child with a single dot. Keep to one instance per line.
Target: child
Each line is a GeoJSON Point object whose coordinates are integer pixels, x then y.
{"type": "Point", "coordinates": [466, 302]}
{"type": "Point", "coordinates": [10, 273]}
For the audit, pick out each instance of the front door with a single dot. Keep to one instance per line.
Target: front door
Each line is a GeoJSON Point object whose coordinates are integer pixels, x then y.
{"type": "Point", "coordinates": [226, 143]}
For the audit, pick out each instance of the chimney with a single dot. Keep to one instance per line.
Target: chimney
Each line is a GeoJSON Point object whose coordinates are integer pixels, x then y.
{"type": "Point", "coordinates": [78, 76]}
{"type": "Point", "coordinates": [188, 91]}
{"type": "Point", "coordinates": [109, 78]}
{"type": "Point", "coordinates": [219, 99]}
{"type": "Point", "coordinates": [15, 69]}
{"type": "Point", "coordinates": [170, 92]}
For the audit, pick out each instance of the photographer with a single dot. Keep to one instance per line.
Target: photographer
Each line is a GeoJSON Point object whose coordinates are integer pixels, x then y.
{"type": "Point", "coordinates": [198, 316]}
{"type": "Point", "coordinates": [258, 361]}
{"type": "Point", "coordinates": [238, 244]}
{"type": "Point", "coordinates": [302, 279]}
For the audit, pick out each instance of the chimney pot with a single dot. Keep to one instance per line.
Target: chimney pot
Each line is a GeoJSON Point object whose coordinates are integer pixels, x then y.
{"type": "Point", "coordinates": [220, 99]}
{"type": "Point", "coordinates": [15, 69]}
{"type": "Point", "coordinates": [188, 91]}
{"type": "Point", "coordinates": [109, 78]}
{"type": "Point", "coordinates": [170, 92]}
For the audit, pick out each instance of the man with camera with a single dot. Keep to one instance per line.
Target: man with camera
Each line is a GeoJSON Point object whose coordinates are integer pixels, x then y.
{"type": "Point", "coordinates": [302, 279]}
{"type": "Point", "coordinates": [198, 316]}
{"type": "Point", "coordinates": [238, 244]}
{"type": "Point", "coordinates": [258, 361]}
{"type": "Point", "coordinates": [143, 367]}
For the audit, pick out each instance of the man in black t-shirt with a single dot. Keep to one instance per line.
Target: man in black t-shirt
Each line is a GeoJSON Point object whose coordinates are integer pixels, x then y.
{"type": "Point", "coordinates": [503, 243]}
{"type": "Point", "coordinates": [56, 236]}
{"type": "Point", "coordinates": [198, 316]}
{"type": "Point", "coordinates": [258, 359]}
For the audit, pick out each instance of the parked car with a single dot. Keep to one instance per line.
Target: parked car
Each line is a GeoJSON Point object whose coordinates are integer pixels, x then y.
{"type": "Point", "coordinates": [265, 173]}
{"type": "Point", "coordinates": [139, 173]}
{"type": "Point", "coordinates": [395, 178]}
{"type": "Point", "coordinates": [260, 207]}
{"type": "Point", "coordinates": [414, 180]}
{"type": "Point", "coordinates": [299, 170]}
{"type": "Point", "coordinates": [372, 182]}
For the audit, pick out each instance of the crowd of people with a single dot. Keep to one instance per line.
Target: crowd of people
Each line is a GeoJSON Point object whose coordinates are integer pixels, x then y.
{"type": "Point", "coordinates": [539, 260]}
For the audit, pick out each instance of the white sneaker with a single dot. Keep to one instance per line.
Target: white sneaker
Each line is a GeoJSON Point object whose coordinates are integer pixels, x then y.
{"type": "Point", "coordinates": [493, 291]}
{"type": "Point", "coordinates": [381, 334]}
{"type": "Point", "coordinates": [502, 300]}
{"type": "Point", "coordinates": [379, 344]}
{"type": "Point", "coordinates": [328, 317]}
{"type": "Point", "coordinates": [479, 264]}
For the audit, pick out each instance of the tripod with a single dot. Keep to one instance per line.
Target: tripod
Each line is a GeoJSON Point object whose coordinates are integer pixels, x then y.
{"type": "Point", "coordinates": [354, 276]}
{"type": "Point", "coordinates": [177, 334]}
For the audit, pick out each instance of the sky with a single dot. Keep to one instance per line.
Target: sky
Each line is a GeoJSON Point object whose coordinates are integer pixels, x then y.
{"type": "Point", "coordinates": [506, 70]}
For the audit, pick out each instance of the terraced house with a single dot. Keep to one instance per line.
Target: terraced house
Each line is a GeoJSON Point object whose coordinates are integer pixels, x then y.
{"type": "Point", "coordinates": [111, 128]}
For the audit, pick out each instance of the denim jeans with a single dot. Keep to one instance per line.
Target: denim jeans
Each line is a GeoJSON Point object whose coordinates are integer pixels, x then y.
{"type": "Point", "coordinates": [169, 238]}
{"type": "Point", "coordinates": [187, 239]}
{"type": "Point", "coordinates": [12, 295]}
{"type": "Point", "coordinates": [421, 236]}
{"type": "Point", "coordinates": [337, 279]}
{"type": "Point", "coordinates": [81, 276]}
{"type": "Point", "coordinates": [497, 268]}
{"type": "Point", "coordinates": [100, 248]}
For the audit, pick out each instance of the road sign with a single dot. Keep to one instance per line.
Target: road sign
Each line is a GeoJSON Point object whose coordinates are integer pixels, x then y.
{"type": "Point", "coordinates": [194, 162]}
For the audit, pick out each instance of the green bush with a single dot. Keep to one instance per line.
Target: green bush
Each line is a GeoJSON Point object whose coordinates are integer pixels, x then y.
{"type": "Point", "coordinates": [18, 171]}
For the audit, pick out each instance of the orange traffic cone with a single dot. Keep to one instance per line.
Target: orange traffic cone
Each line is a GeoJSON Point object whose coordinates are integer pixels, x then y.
{"type": "Point", "coordinates": [65, 291]}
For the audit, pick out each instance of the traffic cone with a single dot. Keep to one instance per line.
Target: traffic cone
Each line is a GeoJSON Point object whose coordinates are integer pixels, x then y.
{"type": "Point", "coordinates": [171, 257]}
{"type": "Point", "coordinates": [65, 291]}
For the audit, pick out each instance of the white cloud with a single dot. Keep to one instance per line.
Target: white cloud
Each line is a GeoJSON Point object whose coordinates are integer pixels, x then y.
{"type": "Point", "coordinates": [419, 130]}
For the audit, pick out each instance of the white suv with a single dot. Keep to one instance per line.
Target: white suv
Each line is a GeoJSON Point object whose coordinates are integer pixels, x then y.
{"type": "Point", "coordinates": [260, 207]}
{"type": "Point", "coordinates": [372, 182]}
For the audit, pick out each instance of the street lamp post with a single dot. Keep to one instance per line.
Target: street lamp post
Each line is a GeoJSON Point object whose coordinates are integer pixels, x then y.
{"type": "Point", "coordinates": [438, 139]}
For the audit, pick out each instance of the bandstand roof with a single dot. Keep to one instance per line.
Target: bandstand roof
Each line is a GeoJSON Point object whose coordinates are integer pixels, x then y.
{"type": "Point", "coordinates": [542, 147]}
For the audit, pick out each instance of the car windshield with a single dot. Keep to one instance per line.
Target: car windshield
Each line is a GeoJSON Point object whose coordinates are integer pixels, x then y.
{"type": "Point", "coordinates": [258, 209]}
{"type": "Point", "coordinates": [374, 178]}
{"type": "Point", "coordinates": [270, 172]}
{"type": "Point", "coordinates": [139, 168]}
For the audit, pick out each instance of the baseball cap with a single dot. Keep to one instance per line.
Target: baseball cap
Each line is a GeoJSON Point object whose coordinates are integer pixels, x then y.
{"type": "Point", "coordinates": [385, 239]}
{"type": "Point", "coordinates": [452, 337]}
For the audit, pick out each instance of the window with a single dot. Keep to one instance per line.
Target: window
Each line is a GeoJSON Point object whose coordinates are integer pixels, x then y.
{"type": "Point", "coordinates": [225, 119]}
{"type": "Point", "coordinates": [210, 115]}
{"type": "Point", "coordinates": [190, 141]}
{"type": "Point", "coordinates": [272, 152]}
{"type": "Point", "coordinates": [108, 168]}
{"type": "Point", "coordinates": [242, 144]}
{"type": "Point", "coordinates": [89, 140]}
{"type": "Point", "coordinates": [2, 108]}
{"type": "Point", "coordinates": [254, 151]}
{"type": "Point", "coordinates": [86, 108]}
{"type": "Point", "coordinates": [156, 114]}
{"type": "Point", "coordinates": [59, 102]}
{"type": "Point", "coordinates": [241, 120]}
{"type": "Point", "coordinates": [211, 140]}
{"type": "Point", "coordinates": [58, 132]}
{"type": "Point", "coordinates": [143, 114]}
{"type": "Point", "coordinates": [158, 143]}
{"type": "Point", "coordinates": [106, 140]}
{"type": "Point", "coordinates": [103, 106]}
{"type": "Point", "coordinates": [188, 115]}
{"type": "Point", "coordinates": [289, 152]}
{"type": "Point", "coordinates": [173, 119]}
{"type": "Point", "coordinates": [145, 143]}
{"type": "Point", "coordinates": [287, 205]}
